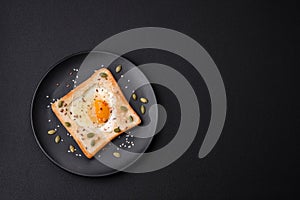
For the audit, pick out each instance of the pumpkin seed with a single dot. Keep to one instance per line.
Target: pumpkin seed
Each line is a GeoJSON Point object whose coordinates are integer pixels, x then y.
{"type": "Point", "coordinates": [130, 118]}
{"type": "Point", "coordinates": [144, 100]}
{"type": "Point", "coordinates": [93, 142]}
{"type": "Point", "coordinates": [90, 135]}
{"type": "Point", "coordinates": [68, 124]}
{"type": "Point", "coordinates": [57, 139]}
{"type": "Point", "coordinates": [72, 148]}
{"type": "Point", "coordinates": [118, 68]}
{"type": "Point", "coordinates": [117, 154]}
{"type": "Point", "coordinates": [103, 75]}
{"type": "Point", "coordinates": [51, 132]}
{"type": "Point", "coordinates": [134, 96]}
{"type": "Point", "coordinates": [60, 104]}
{"type": "Point", "coordinates": [143, 109]}
{"type": "Point", "coordinates": [117, 130]}
{"type": "Point", "coordinates": [123, 108]}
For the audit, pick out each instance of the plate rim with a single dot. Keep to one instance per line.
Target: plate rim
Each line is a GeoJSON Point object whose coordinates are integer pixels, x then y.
{"type": "Point", "coordinates": [33, 129]}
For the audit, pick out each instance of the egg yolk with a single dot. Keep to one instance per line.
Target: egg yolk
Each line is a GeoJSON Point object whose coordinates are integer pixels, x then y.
{"type": "Point", "coordinates": [100, 112]}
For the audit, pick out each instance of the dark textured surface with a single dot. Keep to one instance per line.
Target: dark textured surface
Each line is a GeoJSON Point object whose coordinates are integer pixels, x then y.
{"type": "Point", "coordinates": [253, 45]}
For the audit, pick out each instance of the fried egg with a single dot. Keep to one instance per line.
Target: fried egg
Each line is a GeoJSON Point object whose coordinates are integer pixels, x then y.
{"type": "Point", "coordinates": [94, 110]}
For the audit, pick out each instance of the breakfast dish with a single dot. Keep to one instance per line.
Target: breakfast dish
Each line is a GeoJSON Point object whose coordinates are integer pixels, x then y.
{"type": "Point", "coordinates": [60, 146]}
{"type": "Point", "coordinates": [95, 112]}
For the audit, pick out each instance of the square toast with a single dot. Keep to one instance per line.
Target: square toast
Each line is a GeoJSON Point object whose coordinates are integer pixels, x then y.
{"type": "Point", "coordinates": [95, 112]}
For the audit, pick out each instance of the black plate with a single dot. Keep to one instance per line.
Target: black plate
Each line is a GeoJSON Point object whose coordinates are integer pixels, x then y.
{"type": "Point", "coordinates": [58, 81]}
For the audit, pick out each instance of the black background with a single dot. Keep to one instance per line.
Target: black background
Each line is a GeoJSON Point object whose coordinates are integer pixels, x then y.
{"type": "Point", "coordinates": [254, 46]}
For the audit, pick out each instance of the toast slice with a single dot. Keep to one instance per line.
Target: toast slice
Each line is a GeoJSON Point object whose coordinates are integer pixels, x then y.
{"type": "Point", "coordinates": [95, 112]}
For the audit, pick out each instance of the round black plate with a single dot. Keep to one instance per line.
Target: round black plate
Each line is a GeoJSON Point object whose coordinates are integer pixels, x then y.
{"type": "Point", "coordinates": [59, 81]}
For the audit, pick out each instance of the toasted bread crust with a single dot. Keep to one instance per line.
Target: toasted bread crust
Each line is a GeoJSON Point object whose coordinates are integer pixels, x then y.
{"type": "Point", "coordinates": [75, 93]}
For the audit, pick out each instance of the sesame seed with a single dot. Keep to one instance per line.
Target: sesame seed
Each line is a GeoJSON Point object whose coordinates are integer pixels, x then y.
{"type": "Point", "coordinates": [47, 96]}
{"type": "Point", "coordinates": [49, 120]}
{"type": "Point", "coordinates": [122, 76]}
